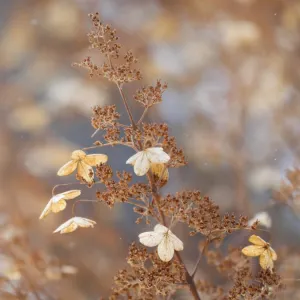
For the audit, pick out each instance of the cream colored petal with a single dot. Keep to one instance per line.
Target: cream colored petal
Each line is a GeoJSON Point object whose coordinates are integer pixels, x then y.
{"type": "Point", "coordinates": [157, 155]}
{"type": "Point", "coordinates": [253, 250]}
{"type": "Point", "coordinates": [78, 155]}
{"type": "Point", "coordinates": [83, 222]}
{"type": "Point", "coordinates": [131, 160]}
{"type": "Point", "coordinates": [67, 227]}
{"type": "Point", "coordinates": [141, 165]}
{"type": "Point", "coordinates": [165, 249]}
{"type": "Point", "coordinates": [84, 171]}
{"type": "Point", "coordinates": [256, 240]}
{"type": "Point", "coordinates": [68, 168]}
{"type": "Point", "coordinates": [46, 210]}
{"type": "Point", "coordinates": [151, 238]}
{"type": "Point", "coordinates": [95, 159]}
{"type": "Point", "coordinates": [266, 261]}
{"type": "Point", "coordinates": [272, 253]}
{"type": "Point", "coordinates": [70, 194]}
{"type": "Point", "coordinates": [58, 206]}
{"type": "Point", "coordinates": [177, 243]}
{"type": "Point", "coordinates": [160, 228]}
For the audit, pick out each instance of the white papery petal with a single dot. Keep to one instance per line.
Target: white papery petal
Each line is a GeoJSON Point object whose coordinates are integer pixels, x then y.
{"type": "Point", "coordinates": [157, 155]}
{"type": "Point", "coordinates": [142, 165]}
{"type": "Point", "coordinates": [131, 160]}
{"type": "Point", "coordinates": [57, 198]}
{"type": "Point", "coordinates": [160, 228]}
{"type": "Point", "coordinates": [151, 238]}
{"type": "Point", "coordinates": [58, 206]}
{"type": "Point", "coordinates": [46, 210]}
{"type": "Point", "coordinates": [83, 222]}
{"type": "Point", "coordinates": [68, 225]}
{"type": "Point", "coordinates": [165, 249]}
{"type": "Point", "coordinates": [177, 243]}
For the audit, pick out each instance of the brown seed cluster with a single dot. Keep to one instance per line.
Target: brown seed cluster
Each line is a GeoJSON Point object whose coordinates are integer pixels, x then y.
{"type": "Point", "coordinates": [148, 277]}
{"type": "Point", "coordinates": [201, 214]}
{"type": "Point", "coordinates": [104, 117]}
{"type": "Point", "coordinates": [150, 95]}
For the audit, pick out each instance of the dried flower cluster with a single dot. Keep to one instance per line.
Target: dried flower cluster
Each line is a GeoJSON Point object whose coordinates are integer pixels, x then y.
{"type": "Point", "coordinates": [161, 272]}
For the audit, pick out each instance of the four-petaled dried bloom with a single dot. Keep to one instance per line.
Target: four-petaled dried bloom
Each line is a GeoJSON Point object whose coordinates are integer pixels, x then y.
{"type": "Point", "coordinates": [163, 237]}
{"type": "Point", "coordinates": [58, 202]}
{"type": "Point", "coordinates": [143, 159]}
{"type": "Point", "coordinates": [263, 250]}
{"type": "Point", "coordinates": [72, 224]}
{"type": "Point", "coordinates": [263, 218]}
{"type": "Point", "coordinates": [83, 163]}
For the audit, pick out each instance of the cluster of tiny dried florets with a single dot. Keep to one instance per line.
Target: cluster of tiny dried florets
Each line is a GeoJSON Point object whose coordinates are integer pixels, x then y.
{"type": "Point", "coordinates": [148, 277]}
{"type": "Point", "coordinates": [150, 95]}
{"type": "Point", "coordinates": [155, 153]}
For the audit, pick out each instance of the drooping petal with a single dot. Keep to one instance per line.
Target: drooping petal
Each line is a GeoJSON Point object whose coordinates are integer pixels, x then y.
{"type": "Point", "coordinates": [46, 210]}
{"type": "Point", "coordinates": [84, 171]}
{"type": "Point", "coordinates": [165, 249]}
{"type": "Point", "coordinates": [70, 194]}
{"type": "Point", "coordinates": [266, 261]}
{"type": "Point", "coordinates": [142, 165]}
{"type": "Point", "coordinates": [67, 168]}
{"type": "Point", "coordinates": [131, 160]}
{"type": "Point", "coordinates": [78, 155]}
{"type": "Point", "coordinates": [58, 206]}
{"type": "Point", "coordinates": [160, 228]}
{"type": "Point", "coordinates": [272, 253]}
{"type": "Point", "coordinates": [95, 159]}
{"type": "Point", "coordinates": [253, 250]}
{"type": "Point", "coordinates": [67, 227]}
{"type": "Point", "coordinates": [256, 240]}
{"type": "Point", "coordinates": [157, 155]}
{"type": "Point", "coordinates": [83, 222]}
{"type": "Point", "coordinates": [160, 172]}
{"type": "Point", "coordinates": [177, 243]}
{"type": "Point", "coordinates": [151, 238]}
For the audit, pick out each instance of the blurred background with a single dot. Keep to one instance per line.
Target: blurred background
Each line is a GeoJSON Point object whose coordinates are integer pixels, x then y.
{"type": "Point", "coordinates": [233, 104]}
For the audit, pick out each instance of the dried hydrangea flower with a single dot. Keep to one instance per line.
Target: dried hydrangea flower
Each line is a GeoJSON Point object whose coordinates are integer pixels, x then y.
{"type": "Point", "coordinates": [263, 218]}
{"type": "Point", "coordinates": [262, 249]}
{"type": "Point", "coordinates": [160, 172]}
{"type": "Point", "coordinates": [58, 202]}
{"type": "Point", "coordinates": [143, 159]}
{"type": "Point", "coordinates": [166, 241]}
{"type": "Point", "coordinates": [72, 224]}
{"type": "Point", "coordinates": [83, 163]}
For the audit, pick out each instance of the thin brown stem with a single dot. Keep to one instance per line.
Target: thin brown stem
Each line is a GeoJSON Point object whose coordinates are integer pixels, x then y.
{"type": "Point", "coordinates": [126, 106]}
{"type": "Point", "coordinates": [201, 254]}
{"type": "Point", "coordinates": [143, 115]}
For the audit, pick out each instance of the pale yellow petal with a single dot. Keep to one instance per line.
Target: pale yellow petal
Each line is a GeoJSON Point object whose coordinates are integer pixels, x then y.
{"type": "Point", "coordinates": [253, 250]}
{"type": "Point", "coordinates": [266, 261]}
{"type": "Point", "coordinates": [68, 168]}
{"type": "Point", "coordinates": [95, 159]}
{"type": "Point", "coordinates": [256, 240]}
{"type": "Point", "coordinates": [71, 194]}
{"type": "Point", "coordinates": [160, 171]}
{"type": "Point", "coordinates": [85, 171]}
{"type": "Point", "coordinates": [58, 206]}
{"type": "Point", "coordinates": [272, 253]}
{"type": "Point", "coordinates": [78, 155]}
{"type": "Point", "coordinates": [68, 226]}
